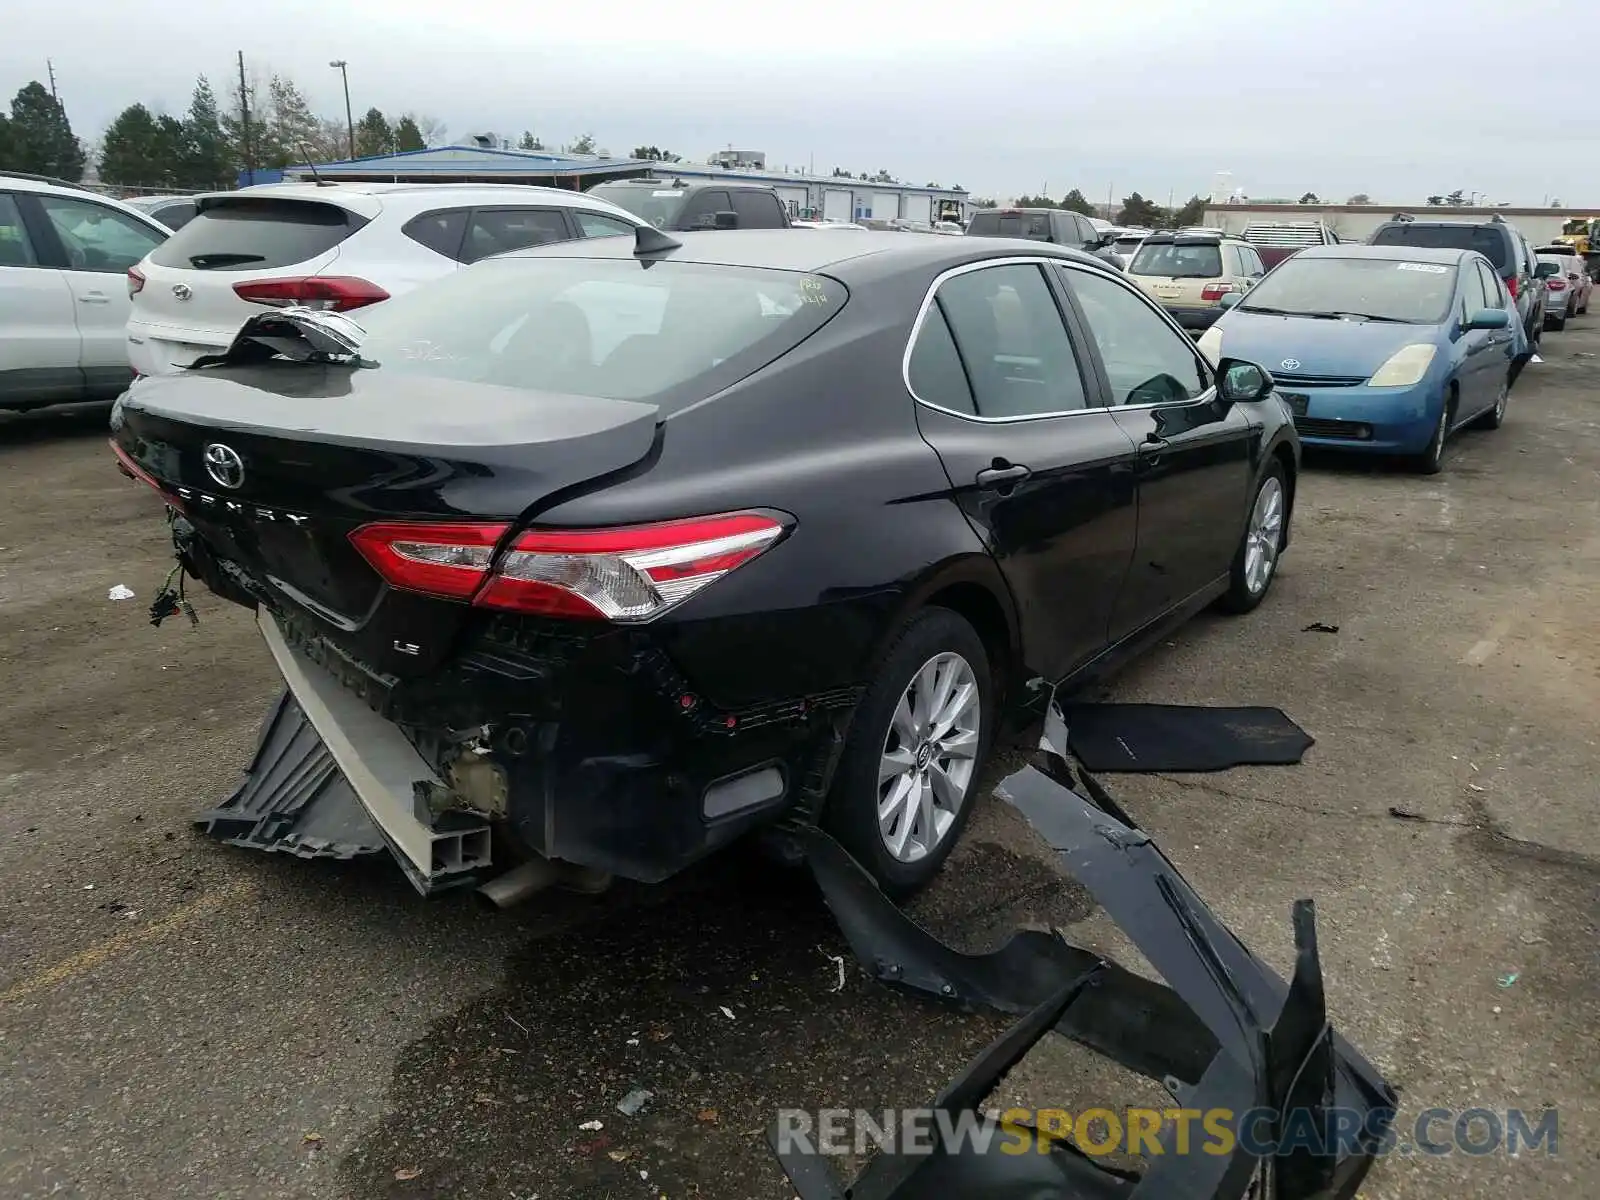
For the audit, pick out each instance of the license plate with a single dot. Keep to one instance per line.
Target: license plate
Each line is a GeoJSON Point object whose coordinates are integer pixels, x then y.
{"type": "Point", "coordinates": [1298, 402]}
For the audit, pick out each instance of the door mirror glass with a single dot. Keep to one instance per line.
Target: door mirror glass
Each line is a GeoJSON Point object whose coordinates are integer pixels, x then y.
{"type": "Point", "coordinates": [727, 220]}
{"type": "Point", "coordinates": [1488, 318]}
{"type": "Point", "coordinates": [1241, 382]}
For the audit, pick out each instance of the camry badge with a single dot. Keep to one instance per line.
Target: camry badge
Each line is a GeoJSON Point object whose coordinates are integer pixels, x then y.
{"type": "Point", "coordinates": [224, 465]}
{"type": "Point", "coordinates": [1290, 364]}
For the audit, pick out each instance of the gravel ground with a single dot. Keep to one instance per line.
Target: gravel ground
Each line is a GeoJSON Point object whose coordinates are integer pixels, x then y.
{"type": "Point", "coordinates": [178, 1018]}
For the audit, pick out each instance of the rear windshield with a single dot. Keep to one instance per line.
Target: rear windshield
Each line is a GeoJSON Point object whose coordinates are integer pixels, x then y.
{"type": "Point", "coordinates": [1019, 225]}
{"type": "Point", "coordinates": [615, 328]}
{"type": "Point", "coordinates": [256, 233]}
{"type": "Point", "coordinates": [1487, 240]}
{"type": "Point", "coordinates": [1177, 260]}
{"type": "Point", "coordinates": [1384, 289]}
{"type": "Point", "coordinates": [1126, 244]}
{"type": "Point", "coordinates": [660, 206]}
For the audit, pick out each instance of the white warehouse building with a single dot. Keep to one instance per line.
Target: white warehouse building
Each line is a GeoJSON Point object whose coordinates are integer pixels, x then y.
{"type": "Point", "coordinates": [826, 197]}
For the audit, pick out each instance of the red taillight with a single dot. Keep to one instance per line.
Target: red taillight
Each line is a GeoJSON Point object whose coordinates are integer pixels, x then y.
{"type": "Point", "coordinates": [338, 293]}
{"type": "Point", "coordinates": [628, 574]}
{"type": "Point", "coordinates": [135, 281]}
{"type": "Point", "coordinates": [1557, 285]}
{"type": "Point", "coordinates": [1511, 286]}
{"type": "Point", "coordinates": [1215, 291]}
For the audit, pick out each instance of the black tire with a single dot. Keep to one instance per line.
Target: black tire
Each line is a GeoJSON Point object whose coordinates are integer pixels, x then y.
{"type": "Point", "coordinates": [1557, 324]}
{"type": "Point", "coordinates": [851, 813]}
{"type": "Point", "coordinates": [1431, 460]}
{"type": "Point", "coordinates": [1240, 596]}
{"type": "Point", "coordinates": [1496, 416]}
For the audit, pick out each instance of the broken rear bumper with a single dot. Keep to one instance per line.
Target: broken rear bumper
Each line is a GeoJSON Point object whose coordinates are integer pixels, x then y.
{"type": "Point", "coordinates": [1224, 1035]}
{"type": "Point", "coordinates": [609, 775]}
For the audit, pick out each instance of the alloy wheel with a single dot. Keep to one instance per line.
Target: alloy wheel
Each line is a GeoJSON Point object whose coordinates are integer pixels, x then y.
{"type": "Point", "coordinates": [1264, 536]}
{"type": "Point", "coordinates": [929, 755]}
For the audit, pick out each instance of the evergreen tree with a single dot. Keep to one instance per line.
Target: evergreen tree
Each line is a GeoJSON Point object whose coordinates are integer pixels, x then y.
{"type": "Point", "coordinates": [128, 152]}
{"type": "Point", "coordinates": [373, 134]}
{"type": "Point", "coordinates": [207, 160]}
{"type": "Point", "coordinates": [407, 136]}
{"type": "Point", "coordinates": [292, 126]}
{"type": "Point", "coordinates": [42, 141]}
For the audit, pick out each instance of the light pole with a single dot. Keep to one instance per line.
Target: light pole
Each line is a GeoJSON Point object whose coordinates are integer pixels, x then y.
{"type": "Point", "coordinates": [349, 118]}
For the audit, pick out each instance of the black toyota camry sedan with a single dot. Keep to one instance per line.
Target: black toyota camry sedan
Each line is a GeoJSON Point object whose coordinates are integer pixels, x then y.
{"type": "Point", "coordinates": [626, 547]}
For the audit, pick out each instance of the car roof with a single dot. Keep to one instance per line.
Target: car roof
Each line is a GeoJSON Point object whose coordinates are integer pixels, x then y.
{"type": "Point", "coordinates": [806, 250]}
{"type": "Point", "coordinates": [1420, 254]}
{"type": "Point", "coordinates": [369, 199]}
{"type": "Point", "coordinates": [41, 186]}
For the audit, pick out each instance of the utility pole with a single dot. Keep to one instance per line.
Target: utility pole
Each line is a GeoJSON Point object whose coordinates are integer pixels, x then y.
{"type": "Point", "coordinates": [50, 67]}
{"type": "Point", "coordinates": [248, 149]}
{"type": "Point", "coordinates": [343, 68]}
{"type": "Point", "coordinates": [1111, 189]}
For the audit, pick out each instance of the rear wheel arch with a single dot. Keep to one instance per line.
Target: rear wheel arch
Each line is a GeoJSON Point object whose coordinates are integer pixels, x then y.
{"type": "Point", "coordinates": [980, 608]}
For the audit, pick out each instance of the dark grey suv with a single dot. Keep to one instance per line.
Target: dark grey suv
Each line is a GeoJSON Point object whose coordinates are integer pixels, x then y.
{"type": "Point", "coordinates": [1058, 226]}
{"type": "Point", "coordinates": [1498, 241]}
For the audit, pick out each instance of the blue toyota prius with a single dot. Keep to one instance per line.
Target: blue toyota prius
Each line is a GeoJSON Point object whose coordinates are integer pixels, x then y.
{"type": "Point", "coordinates": [1380, 349]}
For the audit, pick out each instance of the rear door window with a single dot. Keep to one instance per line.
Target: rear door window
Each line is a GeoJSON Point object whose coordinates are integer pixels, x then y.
{"type": "Point", "coordinates": [758, 210]}
{"type": "Point", "coordinates": [498, 230]}
{"type": "Point", "coordinates": [1013, 342]}
{"type": "Point", "coordinates": [1487, 240]}
{"type": "Point", "coordinates": [16, 248]}
{"type": "Point", "coordinates": [255, 233]}
{"type": "Point", "coordinates": [98, 238]}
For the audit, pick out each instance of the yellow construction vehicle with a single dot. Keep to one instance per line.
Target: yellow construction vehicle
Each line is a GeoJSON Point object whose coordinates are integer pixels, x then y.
{"type": "Point", "coordinates": [1583, 235]}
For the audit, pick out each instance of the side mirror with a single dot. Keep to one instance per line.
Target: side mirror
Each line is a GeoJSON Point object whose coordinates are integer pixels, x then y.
{"type": "Point", "coordinates": [1487, 318]}
{"type": "Point", "coordinates": [1241, 382]}
{"type": "Point", "coordinates": [727, 220]}
{"type": "Point", "coordinates": [1230, 299]}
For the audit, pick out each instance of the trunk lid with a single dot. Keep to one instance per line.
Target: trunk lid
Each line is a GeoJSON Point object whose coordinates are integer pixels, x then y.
{"type": "Point", "coordinates": [315, 451]}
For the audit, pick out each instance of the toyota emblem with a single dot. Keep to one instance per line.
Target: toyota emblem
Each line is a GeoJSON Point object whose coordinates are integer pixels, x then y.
{"type": "Point", "coordinates": [182, 291]}
{"type": "Point", "coordinates": [224, 465]}
{"type": "Point", "coordinates": [1290, 364]}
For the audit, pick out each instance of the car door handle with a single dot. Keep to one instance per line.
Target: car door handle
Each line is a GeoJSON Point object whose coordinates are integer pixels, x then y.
{"type": "Point", "coordinates": [1003, 474]}
{"type": "Point", "coordinates": [1154, 447]}
{"type": "Point", "coordinates": [94, 298]}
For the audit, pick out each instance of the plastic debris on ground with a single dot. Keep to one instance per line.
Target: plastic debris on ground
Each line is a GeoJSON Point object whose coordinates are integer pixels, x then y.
{"type": "Point", "coordinates": [633, 1103]}
{"type": "Point", "coordinates": [120, 592]}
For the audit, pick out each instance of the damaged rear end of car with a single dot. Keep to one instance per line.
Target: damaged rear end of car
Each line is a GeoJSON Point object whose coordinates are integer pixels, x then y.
{"type": "Point", "coordinates": [463, 673]}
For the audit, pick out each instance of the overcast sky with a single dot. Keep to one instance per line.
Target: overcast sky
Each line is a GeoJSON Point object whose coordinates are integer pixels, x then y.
{"type": "Point", "coordinates": [1398, 100]}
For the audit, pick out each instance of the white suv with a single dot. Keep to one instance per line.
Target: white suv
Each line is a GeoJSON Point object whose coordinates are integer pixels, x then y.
{"type": "Point", "coordinates": [63, 303]}
{"type": "Point", "coordinates": [338, 246]}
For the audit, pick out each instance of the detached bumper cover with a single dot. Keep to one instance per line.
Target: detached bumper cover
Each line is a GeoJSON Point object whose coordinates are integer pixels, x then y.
{"type": "Point", "coordinates": [1228, 1034]}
